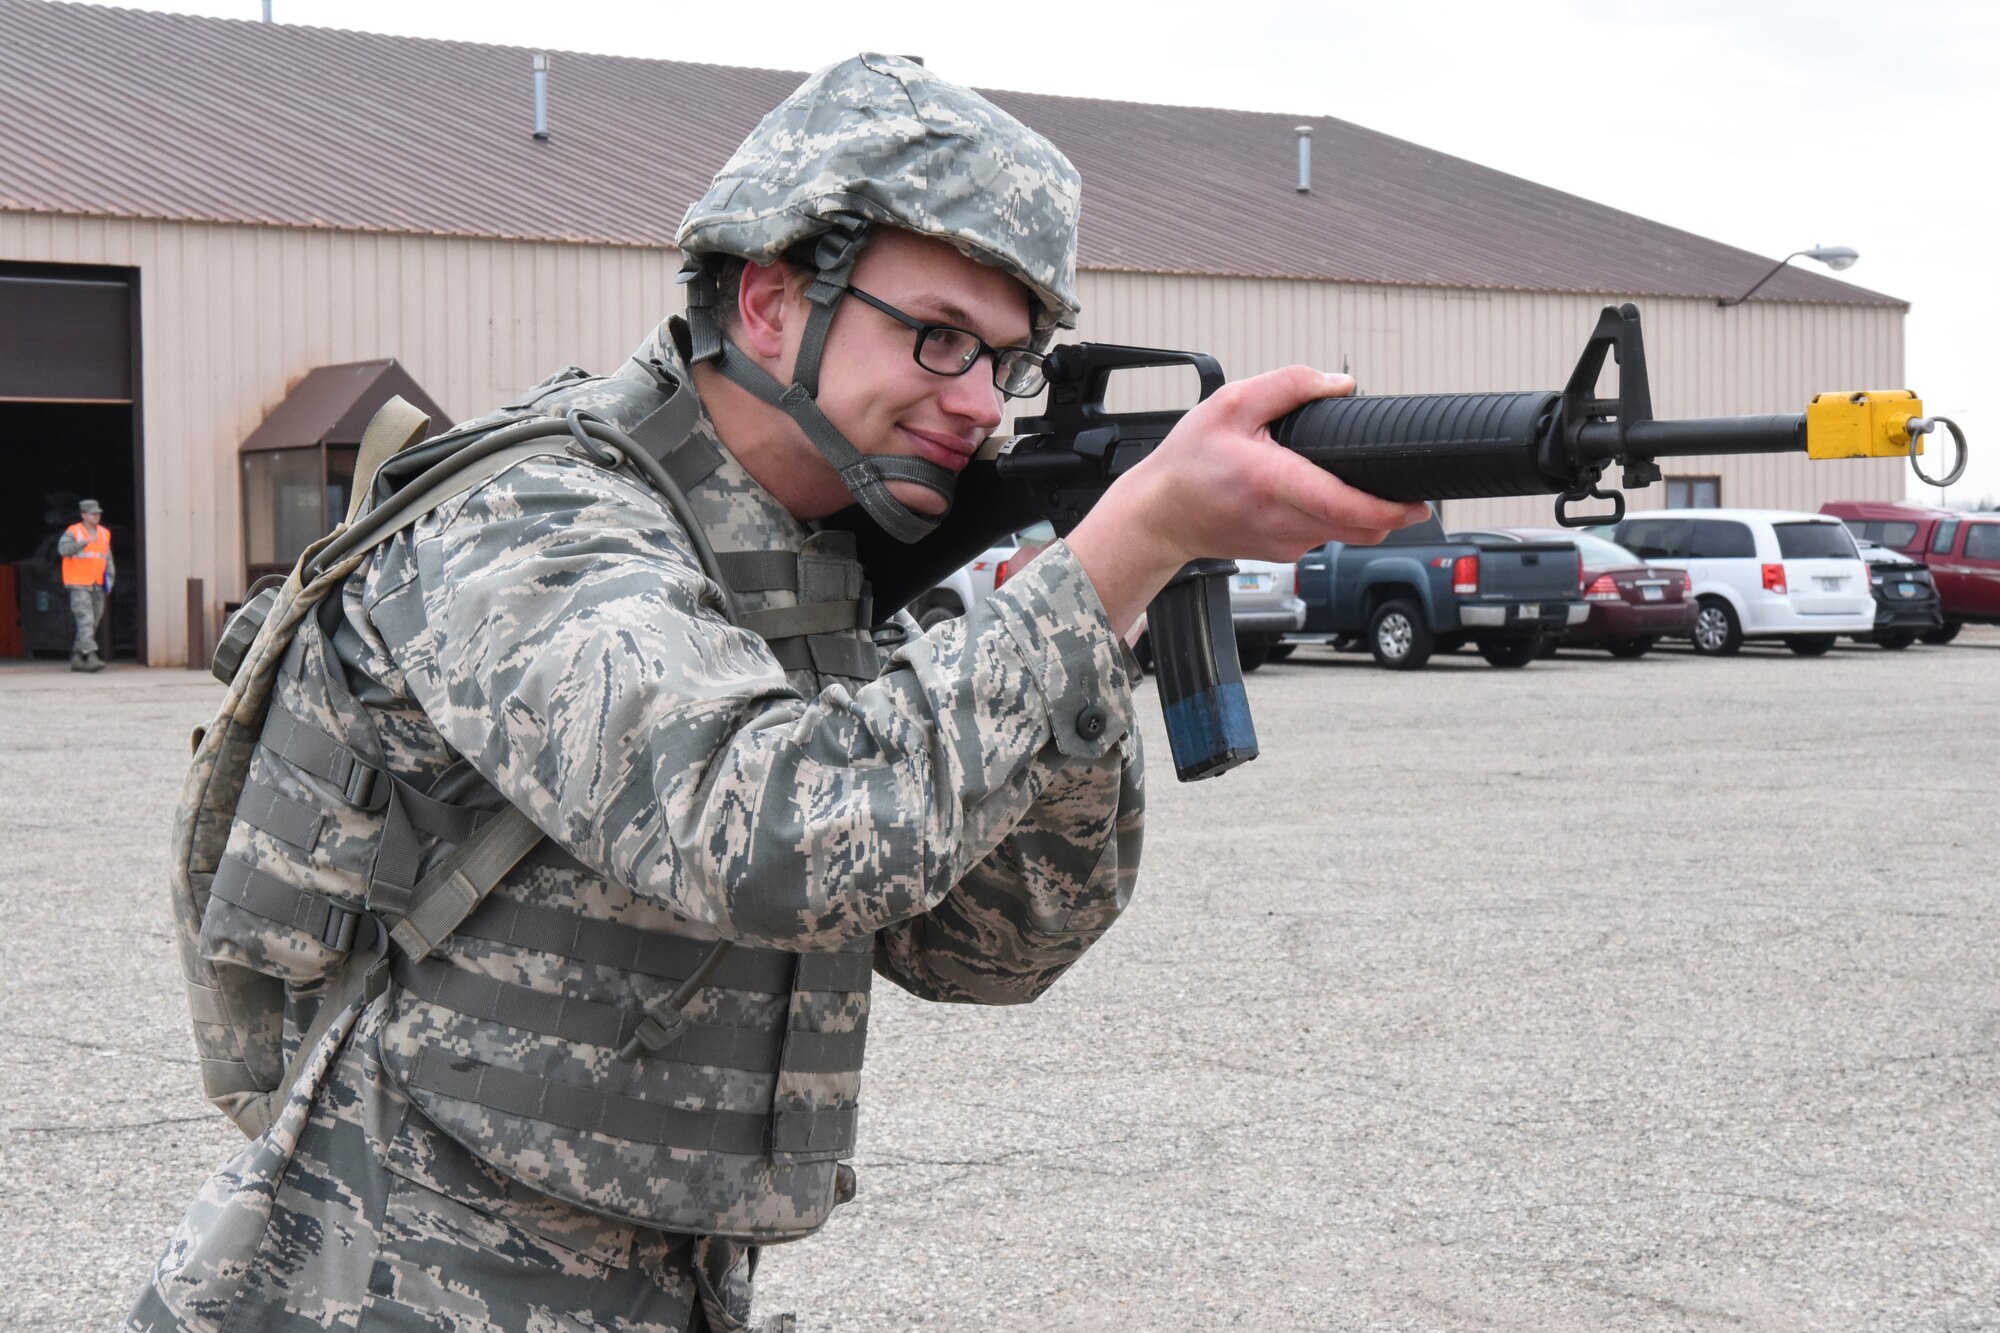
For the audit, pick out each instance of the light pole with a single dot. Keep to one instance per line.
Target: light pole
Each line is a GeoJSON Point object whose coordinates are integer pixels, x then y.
{"type": "Point", "coordinates": [1835, 257]}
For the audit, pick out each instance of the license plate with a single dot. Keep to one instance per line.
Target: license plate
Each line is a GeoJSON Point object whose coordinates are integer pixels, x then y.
{"type": "Point", "coordinates": [1830, 585]}
{"type": "Point", "coordinates": [1530, 610]}
{"type": "Point", "coordinates": [1906, 590]}
{"type": "Point", "coordinates": [1252, 582]}
{"type": "Point", "coordinates": [1653, 594]}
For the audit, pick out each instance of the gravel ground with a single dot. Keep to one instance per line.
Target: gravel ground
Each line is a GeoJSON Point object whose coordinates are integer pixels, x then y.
{"type": "Point", "coordinates": [1598, 995]}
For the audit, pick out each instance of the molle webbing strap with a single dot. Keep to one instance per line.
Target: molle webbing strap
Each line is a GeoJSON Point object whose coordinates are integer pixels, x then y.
{"type": "Point", "coordinates": [306, 746]}
{"type": "Point", "coordinates": [206, 1005]}
{"type": "Point", "coordinates": [824, 1133]}
{"type": "Point", "coordinates": [587, 1109]}
{"type": "Point", "coordinates": [656, 954]}
{"type": "Point", "coordinates": [588, 1023]}
{"type": "Point", "coordinates": [337, 927]}
{"type": "Point", "coordinates": [221, 1077]}
{"type": "Point", "coordinates": [395, 426]}
{"type": "Point", "coordinates": [792, 622]}
{"type": "Point", "coordinates": [829, 655]}
{"type": "Point", "coordinates": [271, 812]}
{"type": "Point", "coordinates": [760, 571]}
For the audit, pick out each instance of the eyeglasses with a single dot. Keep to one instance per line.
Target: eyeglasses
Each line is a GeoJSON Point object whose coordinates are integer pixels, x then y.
{"type": "Point", "coordinates": [945, 349]}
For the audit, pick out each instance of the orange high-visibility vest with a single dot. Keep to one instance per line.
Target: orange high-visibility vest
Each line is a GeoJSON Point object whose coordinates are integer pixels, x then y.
{"type": "Point", "coordinates": [86, 570]}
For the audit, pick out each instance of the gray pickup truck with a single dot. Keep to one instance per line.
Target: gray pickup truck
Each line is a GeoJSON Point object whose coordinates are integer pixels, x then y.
{"type": "Point", "coordinates": [1418, 593]}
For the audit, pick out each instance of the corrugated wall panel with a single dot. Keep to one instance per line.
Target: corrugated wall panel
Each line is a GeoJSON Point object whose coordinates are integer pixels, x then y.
{"type": "Point", "coordinates": [231, 317]}
{"type": "Point", "coordinates": [1703, 361]}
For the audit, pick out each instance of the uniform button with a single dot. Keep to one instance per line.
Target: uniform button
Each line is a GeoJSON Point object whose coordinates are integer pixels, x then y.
{"type": "Point", "coordinates": [1090, 723]}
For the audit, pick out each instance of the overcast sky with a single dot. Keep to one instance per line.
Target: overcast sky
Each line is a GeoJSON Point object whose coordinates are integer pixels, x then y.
{"type": "Point", "coordinates": [1772, 125]}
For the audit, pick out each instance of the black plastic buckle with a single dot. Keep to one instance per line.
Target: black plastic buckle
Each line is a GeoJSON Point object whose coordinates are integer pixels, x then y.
{"type": "Point", "coordinates": [343, 929]}
{"type": "Point", "coordinates": [359, 785]}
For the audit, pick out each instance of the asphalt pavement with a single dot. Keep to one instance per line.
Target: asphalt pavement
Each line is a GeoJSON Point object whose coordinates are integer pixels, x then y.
{"type": "Point", "coordinates": [1596, 995]}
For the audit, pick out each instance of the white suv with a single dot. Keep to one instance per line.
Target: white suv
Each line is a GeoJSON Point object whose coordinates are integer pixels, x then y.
{"type": "Point", "coordinates": [1760, 574]}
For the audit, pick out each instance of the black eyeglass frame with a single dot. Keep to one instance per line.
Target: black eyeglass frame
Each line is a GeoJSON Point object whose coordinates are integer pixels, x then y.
{"type": "Point", "coordinates": [925, 328]}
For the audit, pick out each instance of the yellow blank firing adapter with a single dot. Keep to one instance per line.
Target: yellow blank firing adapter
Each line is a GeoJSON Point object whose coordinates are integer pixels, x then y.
{"type": "Point", "coordinates": [1879, 423]}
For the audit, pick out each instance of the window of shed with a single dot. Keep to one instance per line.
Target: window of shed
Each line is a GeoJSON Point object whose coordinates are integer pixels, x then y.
{"type": "Point", "coordinates": [1694, 492]}
{"type": "Point", "coordinates": [284, 504]}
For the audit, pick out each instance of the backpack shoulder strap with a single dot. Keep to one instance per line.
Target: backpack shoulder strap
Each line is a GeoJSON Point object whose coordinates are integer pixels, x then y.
{"type": "Point", "coordinates": [395, 426]}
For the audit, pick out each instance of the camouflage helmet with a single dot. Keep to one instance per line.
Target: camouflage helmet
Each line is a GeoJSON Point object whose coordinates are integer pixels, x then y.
{"type": "Point", "coordinates": [882, 140]}
{"type": "Point", "coordinates": [877, 141]}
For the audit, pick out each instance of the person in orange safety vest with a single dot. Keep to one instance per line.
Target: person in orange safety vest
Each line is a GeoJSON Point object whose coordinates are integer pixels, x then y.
{"type": "Point", "coordinates": [87, 572]}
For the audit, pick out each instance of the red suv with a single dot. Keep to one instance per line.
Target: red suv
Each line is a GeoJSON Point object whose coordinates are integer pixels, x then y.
{"type": "Point", "coordinates": [1962, 549]}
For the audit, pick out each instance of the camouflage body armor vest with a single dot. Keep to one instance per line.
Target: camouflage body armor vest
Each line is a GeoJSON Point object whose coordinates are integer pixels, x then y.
{"type": "Point", "coordinates": [567, 1032]}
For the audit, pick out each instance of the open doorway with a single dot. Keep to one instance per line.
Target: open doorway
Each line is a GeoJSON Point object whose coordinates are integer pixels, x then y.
{"type": "Point", "coordinates": [69, 430]}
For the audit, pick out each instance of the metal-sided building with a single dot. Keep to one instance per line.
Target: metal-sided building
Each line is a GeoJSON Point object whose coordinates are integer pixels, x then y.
{"type": "Point", "coordinates": [221, 243]}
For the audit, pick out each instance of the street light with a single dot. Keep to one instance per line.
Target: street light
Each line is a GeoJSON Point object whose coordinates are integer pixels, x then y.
{"type": "Point", "coordinates": [1835, 257]}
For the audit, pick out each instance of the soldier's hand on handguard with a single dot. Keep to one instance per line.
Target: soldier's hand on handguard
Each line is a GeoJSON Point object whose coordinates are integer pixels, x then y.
{"type": "Point", "coordinates": [1219, 486]}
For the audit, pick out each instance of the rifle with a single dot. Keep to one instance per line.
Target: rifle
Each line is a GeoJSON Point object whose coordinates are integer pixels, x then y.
{"type": "Point", "coordinates": [1450, 446]}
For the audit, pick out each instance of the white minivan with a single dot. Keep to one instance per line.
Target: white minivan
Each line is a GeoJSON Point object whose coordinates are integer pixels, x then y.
{"type": "Point", "coordinates": [1760, 574]}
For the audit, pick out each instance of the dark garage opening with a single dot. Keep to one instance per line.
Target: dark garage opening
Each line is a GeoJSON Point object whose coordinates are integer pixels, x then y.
{"type": "Point", "coordinates": [69, 428]}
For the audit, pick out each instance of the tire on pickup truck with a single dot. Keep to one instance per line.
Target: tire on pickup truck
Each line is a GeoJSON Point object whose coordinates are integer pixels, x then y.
{"type": "Point", "coordinates": [937, 606]}
{"type": "Point", "coordinates": [1253, 650]}
{"type": "Point", "coordinates": [1398, 635]}
{"type": "Point", "coordinates": [1510, 650]}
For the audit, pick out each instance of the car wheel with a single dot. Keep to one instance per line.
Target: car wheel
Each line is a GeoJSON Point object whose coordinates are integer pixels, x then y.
{"type": "Point", "coordinates": [1896, 640]}
{"type": "Point", "coordinates": [936, 614]}
{"type": "Point", "coordinates": [1944, 633]}
{"type": "Point", "coordinates": [1629, 648]}
{"type": "Point", "coordinates": [1252, 651]}
{"type": "Point", "coordinates": [1510, 650]}
{"type": "Point", "coordinates": [1280, 651]}
{"type": "Point", "coordinates": [1811, 645]}
{"type": "Point", "coordinates": [1398, 636]}
{"type": "Point", "coordinates": [1717, 631]}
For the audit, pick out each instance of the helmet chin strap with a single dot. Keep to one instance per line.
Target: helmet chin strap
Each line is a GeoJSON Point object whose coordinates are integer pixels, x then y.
{"type": "Point", "coordinates": [866, 477]}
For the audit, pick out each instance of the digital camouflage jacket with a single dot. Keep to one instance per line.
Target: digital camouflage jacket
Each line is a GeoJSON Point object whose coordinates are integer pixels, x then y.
{"type": "Point", "coordinates": [965, 824]}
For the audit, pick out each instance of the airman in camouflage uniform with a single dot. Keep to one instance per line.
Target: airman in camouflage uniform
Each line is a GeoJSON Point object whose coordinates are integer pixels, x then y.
{"type": "Point", "coordinates": [500, 1141]}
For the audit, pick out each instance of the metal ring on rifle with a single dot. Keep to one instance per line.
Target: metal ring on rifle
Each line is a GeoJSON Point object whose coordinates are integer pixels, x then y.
{"type": "Point", "coordinates": [1921, 426]}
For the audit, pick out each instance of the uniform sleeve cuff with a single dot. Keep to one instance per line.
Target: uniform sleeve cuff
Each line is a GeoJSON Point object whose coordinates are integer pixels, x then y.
{"type": "Point", "coordinates": [1052, 611]}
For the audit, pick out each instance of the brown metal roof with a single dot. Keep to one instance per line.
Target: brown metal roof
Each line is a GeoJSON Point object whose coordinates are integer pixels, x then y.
{"type": "Point", "coordinates": [129, 114]}
{"type": "Point", "coordinates": [333, 405]}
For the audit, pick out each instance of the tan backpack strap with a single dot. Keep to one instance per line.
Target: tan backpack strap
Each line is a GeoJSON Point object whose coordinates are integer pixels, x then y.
{"type": "Point", "coordinates": [446, 896]}
{"type": "Point", "coordinates": [395, 426]}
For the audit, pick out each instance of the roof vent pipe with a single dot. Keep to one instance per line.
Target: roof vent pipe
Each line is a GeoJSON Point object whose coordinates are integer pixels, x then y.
{"type": "Point", "coordinates": [1305, 184]}
{"type": "Point", "coordinates": [267, 11]}
{"type": "Point", "coordinates": [541, 66]}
